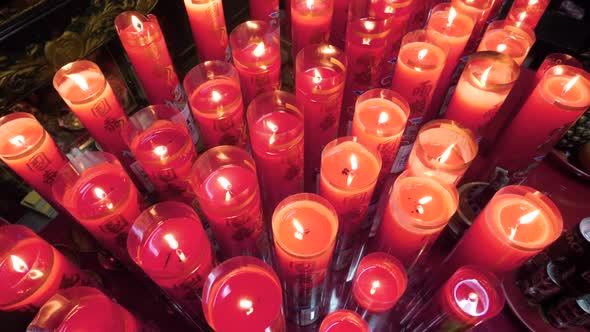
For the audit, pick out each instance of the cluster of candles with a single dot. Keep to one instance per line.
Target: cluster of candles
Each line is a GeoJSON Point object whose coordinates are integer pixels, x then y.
{"type": "Point", "coordinates": [320, 160]}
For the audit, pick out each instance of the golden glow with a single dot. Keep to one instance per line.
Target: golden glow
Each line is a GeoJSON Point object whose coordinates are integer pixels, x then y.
{"type": "Point", "coordinates": [383, 117]}
{"type": "Point", "coordinates": [259, 50]}
{"type": "Point", "coordinates": [523, 220]}
{"type": "Point", "coordinates": [18, 264]}
{"type": "Point", "coordinates": [274, 128]}
{"type": "Point", "coordinates": [570, 84]}
{"type": "Point", "coordinates": [226, 185]}
{"type": "Point", "coordinates": [421, 202]}
{"type": "Point", "coordinates": [136, 22]}
{"type": "Point", "coordinates": [501, 48]}
{"type": "Point", "coordinates": [79, 80]}
{"type": "Point", "coordinates": [422, 54]}
{"type": "Point", "coordinates": [522, 16]}
{"type": "Point", "coordinates": [369, 25]}
{"type": "Point", "coordinates": [252, 24]}
{"type": "Point", "coordinates": [328, 50]}
{"type": "Point", "coordinates": [317, 77]}
{"type": "Point", "coordinates": [366, 41]}
{"type": "Point", "coordinates": [215, 96]}
{"type": "Point", "coordinates": [484, 76]}
{"type": "Point", "coordinates": [446, 154]}
{"type": "Point", "coordinates": [174, 246]}
{"type": "Point", "coordinates": [247, 305]}
{"type": "Point", "coordinates": [161, 151]}
{"type": "Point", "coordinates": [18, 140]}
{"type": "Point", "coordinates": [309, 4]}
{"type": "Point", "coordinates": [299, 230]}
{"type": "Point", "coordinates": [101, 194]}
{"type": "Point", "coordinates": [473, 296]}
{"type": "Point", "coordinates": [533, 2]}
{"type": "Point", "coordinates": [376, 284]}
{"type": "Point", "coordinates": [452, 15]}
{"type": "Point", "coordinates": [354, 165]}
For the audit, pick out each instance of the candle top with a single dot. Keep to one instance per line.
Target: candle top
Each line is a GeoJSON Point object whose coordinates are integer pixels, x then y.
{"type": "Point", "coordinates": [348, 165]}
{"type": "Point", "coordinates": [491, 71]}
{"type": "Point", "coordinates": [450, 23]}
{"type": "Point", "coordinates": [79, 82]}
{"type": "Point", "coordinates": [381, 117]}
{"type": "Point", "coordinates": [136, 29]}
{"type": "Point", "coordinates": [277, 130]}
{"type": "Point", "coordinates": [163, 142]}
{"type": "Point", "coordinates": [422, 56]}
{"type": "Point", "coordinates": [472, 7]}
{"type": "Point", "coordinates": [321, 80]}
{"type": "Point", "coordinates": [229, 185]}
{"type": "Point", "coordinates": [442, 144]}
{"type": "Point", "coordinates": [570, 90]}
{"type": "Point", "coordinates": [510, 40]}
{"type": "Point", "coordinates": [312, 7]}
{"type": "Point", "coordinates": [19, 135]}
{"type": "Point", "coordinates": [216, 98]}
{"type": "Point", "coordinates": [344, 321]}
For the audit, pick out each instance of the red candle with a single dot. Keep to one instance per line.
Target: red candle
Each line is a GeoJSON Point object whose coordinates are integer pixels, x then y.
{"type": "Point", "coordinates": [168, 243]}
{"type": "Point", "coordinates": [257, 56]}
{"type": "Point", "coordinates": [348, 175]}
{"type": "Point", "coordinates": [443, 149]}
{"type": "Point", "coordinates": [554, 59]}
{"type": "Point", "coordinates": [209, 31]}
{"type": "Point", "coordinates": [418, 209]}
{"type": "Point", "coordinates": [97, 191]}
{"type": "Point", "coordinates": [30, 152]}
{"type": "Point", "coordinates": [527, 12]}
{"type": "Point", "coordinates": [82, 85]}
{"type": "Point", "coordinates": [243, 294]}
{"type": "Point", "coordinates": [161, 143]}
{"type": "Point", "coordinates": [339, 20]}
{"type": "Point", "coordinates": [83, 309]}
{"type": "Point", "coordinates": [320, 72]}
{"type": "Point", "coordinates": [380, 118]}
{"type": "Point", "coordinates": [276, 135]}
{"type": "Point", "coordinates": [401, 11]}
{"type": "Point", "coordinates": [485, 83]}
{"type": "Point", "coordinates": [265, 10]}
{"type": "Point", "coordinates": [227, 190]}
{"type": "Point", "coordinates": [31, 270]}
{"type": "Point", "coordinates": [515, 225]}
{"type": "Point", "coordinates": [311, 22]}
{"type": "Point", "coordinates": [344, 321]}
{"type": "Point", "coordinates": [304, 228]}
{"type": "Point", "coordinates": [478, 11]}
{"type": "Point", "coordinates": [468, 298]}
{"type": "Point", "coordinates": [560, 98]}
{"type": "Point", "coordinates": [216, 101]}
{"type": "Point", "coordinates": [504, 37]}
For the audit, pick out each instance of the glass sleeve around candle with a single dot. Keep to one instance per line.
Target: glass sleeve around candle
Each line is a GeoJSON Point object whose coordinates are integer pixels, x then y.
{"type": "Point", "coordinates": [485, 83]}
{"type": "Point", "coordinates": [527, 12]}
{"type": "Point", "coordinates": [160, 142]}
{"type": "Point", "coordinates": [505, 37]}
{"type": "Point", "coordinates": [276, 126]}
{"type": "Point", "coordinates": [320, 73]}
{"type": "Point", "coordinates": [443, 149]}
{"type": "Point", "coordinates": [402, 11]}
{"type": "Point", "coordinates": [256, 54]}
{"type": "Point", "coordinates": [304, 231]}
{"type": "Point", "coordinates": [478, 11]}
{"type": "Point", "coordinates": [243, 294]}
{"type": "Point", "coordinates": [555, 59]}
{"type": "Point", "coordinates": [97, 191]}
{"type": "Point", "coordinates": [216, 102]}
{"type": "Point", "coordinates": [348, 176]}
{"type": "Point", "coordinates": [344, 320]}
{"type": "Point", "coordinates": [227, 190]}
{"type": "Point", "coordinates": [31, 270]}
{"type": "Point", "coordinates": [209, 31]}
{"type": "Point", "coordinates": [28, 149]}
{"type": "Point", "coordinates": [168, 242]}
{"type": "Point", "coordinates": [83, 309]}
{"type": "Point", "coordinates": [311, 22]}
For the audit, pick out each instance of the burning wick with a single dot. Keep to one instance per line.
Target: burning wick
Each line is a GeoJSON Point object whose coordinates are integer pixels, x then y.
{"type": "Point", "coordinates": [174, 246]}
{"type": "Point", "coordinates": [351, 173]}
{"type": "Point", "coordinates": [369, 25]}
{"type": "Point", "coordinates": [317, 77]}
{"type": "Point", "coordinates": [445, 156]}
{"type": "Point", "coordinates": [102, 195]}
{"type": "Point", "coordinates": [376, 284]}
{"type": "Point", "coordinates": [274, 128]}
{"type": "Point", "coordinates": [259, 50]}
{"type": "Point", "coordinates": [226, 185]}
{"type": "Point", "coordinates": [570, 84]}
{"type": "Point", "coordinates": [423, 201]}
{"type": "Point", "coordinates": [248, 305]}
{"type": "Point", "coordinates": [422, 54]}
{"type": "Point", "coordinates": [309, 4]}
{"type": "Point", "coordinates": [501, 48]}
{"type": "Point", "coordinates": [484, 77]}
{"type": "Point", "coordinates": [299, 230]}
{"type": "Point", "coordinates": [523, 220]}
{"type": "Point", "coordinates": [18, 140]}
{"type": "Point", "coordinates": [161, 151]}
{"type": "Point", "coordinates": [451, 18]}
{"type": "Point", "coordinates": [136, 23]}
{"type": "Point", "coordinates": [79, 80]}
{"type": "Point", "coordinates": [21, 266]}
{"type": "Point", "coordinates": [215, 96]}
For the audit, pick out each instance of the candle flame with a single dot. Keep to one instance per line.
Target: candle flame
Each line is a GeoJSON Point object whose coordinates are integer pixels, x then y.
{"type": "Point", "coordinates": [422, 54]}
{"type": "Point", "coordinates": [446, 154]}
{"type": "Point", "coordinates": [226, 185]}
{"type": "Point", "coordinates": [425, 200]}
{"type": "Point", "coordinates": [259, 50]}
{"type": "Point", "coordinates": [369, 25]}
{"type": "Point", "coordinates": [366, 41]}
{"type": "Point", "coordinates": [389, 10]}
{"type": "Point", "coordinates": [383, 117]}
{"type": "Point", "coordinates": [274, 128]}
{"type": "Point", "coordinates": [374, 285]}
{"type": "Point", "coordinates": [317, 77]}
{"type": "Point", "coordinates": [501, 48]}
{"type": "Point", "coordinates": [79, 80]}
{"type": "Point", "coordinates": [451, 18]}
{"type": "Point", "coordinates": [523, 220]}
{"type": "Point", "coordinates": [299, 230]}
{"type": "Point", "coordinates": [136, 23]}
{"type": "Point", "coordinates": [174, 246]}
{"type": "Point", "coordinates": [570, 84]}
{"type": "Point", "coordinates": [473, 296]}
{"type": "Point", "coordinates": [521, 16]}
{"type": "Point", "coordinates": [161, 151]}
{"type": "Point", "coordinates": [354, 164]}
{"type": "Point", "coordinates": [18, 140]}
{"type": "Point", "coordinates": [252, 24]}
{"type": "Point", "coordinates": [215, 96]}
{"type": "Point", "coordinates": [533, 2]}
{"type": "Point", "coordinates": [309, 4]}
{"type": "Point", "coordinates": [101, 194]}
{"type": "Point", "coordinates": [484, 76]}
{"type": "Point", "coordinates": [328, 49]}
{"type": "Point", "coordinates": [248, 305]}
{"type": "Point", "coordinates": [18, 264]}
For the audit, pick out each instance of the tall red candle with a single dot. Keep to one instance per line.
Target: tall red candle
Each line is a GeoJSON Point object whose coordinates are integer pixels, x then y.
{"type": "Point", "coordinates": [311, 22]}
{"type": "Point", "coordinates": [227, 189]}
{"type": "Point", "coordinates": [555, 59]}
{"type": "Point", "coordinates": [339, 21]}
{"type": "Point", "coordinates": [216, 101]}
{"type": "Point", "coordinates": [504, 37]}
{"type": "Point", "coordinates": [265, 10]}
{"type": "Point", "coordinates": [28, 149]}
{"type": "Point", "coordinates": [97, 191]}
{"type": "Point", "coordinates": [527, 12]}
{"type": "Point", "coordinates": [243, 294]}
{"type": "Point", "coordinates": [276, 135]}
{"type": "Point", "coordinates": [209, 30]}
{"type": "Point", "coordinates": [168, 242]}
{"type": "Point", "coordinates": [31, 270]}
{"type": "Point", "coordinates": [304, 230]}
{"type": "Point", "coordinates": [257, 56]}
{"type": "Point", "coordinates": [344, 321]}
{"type": "Point", "coordinates": [348, 176]}
{"type": "Point", "coordinates": [320, 72]}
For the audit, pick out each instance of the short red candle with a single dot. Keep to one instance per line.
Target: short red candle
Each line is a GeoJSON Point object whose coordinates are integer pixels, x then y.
{"type": "Point", "coordinates": [339, 20]}
{"type": "Point", "coordinates": [265, 10]}
{"type": "Point", "coordinates": [83, 309]}
{"type": "Point", "coordinates": [216, 102]}
{"type": "Point", "coordinates": [27, 148]}
{"type": "Point", "coordinates": [515, 225]}
{"type": "Point", "coordinates": [257, 56]}
{"type": "Point", "coordinates": [276, 135]}
{"type": "Point", "coordinates": [504, 37]}
{"type": "Point", "coordinates": [554, 59]}
{"type": "Point", "coordinates": [311, 22]}
{"type": "Point", "coordinates": [209, 30]}
{"type": "Point", "coordinates": [31, 270]}
{"type": "Point", "coordinates": [304, 228]}
{"type": "Point", "coordinates": [560, 98]}
{"type": "Point", "coordinates": [348, 176]}
{"type": "Point", "coordinates": [97, 191]}
{"type": "Point", "coordinates": [527, 12]}
{"type": "Point", "coordinates": [443, 149]}
{"type": "Point", "coordinates": [320, 72]}
{"type": "Point", "coordinates": [243, 294]}
{"type": "Point", "coordinates": [169, 244]}
{"type": "Point", "coordinates": [83, 87]}
{"type": "Point", "coordinates": [344, 321]}
{"type": "Point", "coordinates": [485, 83]}
{"type": "Point", "coordinates": [161, 143]}
{"type": "Point", "coordinates": [227, 190]}
{"type": "Point", "coordinates": [478, 11]}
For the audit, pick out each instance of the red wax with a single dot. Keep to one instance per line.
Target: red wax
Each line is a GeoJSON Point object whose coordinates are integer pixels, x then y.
{"type": "Point", "coordinates": [208, 26]}
{"type": "Point", "coordinates": [310, 22]}
{"type": "Point", "coordinates": [527, 12]}
{"type": "Point", "coordinates": [265, 10]}
{"type": "Point", "coordinates": [344, 321]}
{"type": "Point", "coordinates": [478, 11]}
{"type": "Point", "coordinates": [502, 36]}
{"type": "Point", "coordinates": [552, 60]}
{"type": "Point", "coordinates": [30, 152]}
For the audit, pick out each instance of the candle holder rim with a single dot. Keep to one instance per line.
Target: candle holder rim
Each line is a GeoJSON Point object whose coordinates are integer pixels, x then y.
{"type": "Point", "coordinates": [387, 94]}
{"type": "Point", "coordinates": [321, 58]}
{"type": "Point", "coordinates": [152, 32]}
{"type": "Point", "coordinates": [208, 71]}
{"type": "Point", "coordinates": [481, 5]}
{"type": "Point", "coordinates": [422, 36]}
{"type": "Point", "coordinates": [343, 315]}
{"type": "Point", "coordinates": [560, 70]}
{"type": "Point", "coordinates": [443, 7]}
{"type": "Point", "coordinates": [32, 148]}
{"type": "Point", "coordinates": [79, 65]}
{"type": "Point", "coordinates": [497, 57]}
{"type": "Point", "coordinates": [521, 30]}
{"type": "Point", "coordinates": [254, 31]}
{"type": "Point", "coordinates": [571, 60]}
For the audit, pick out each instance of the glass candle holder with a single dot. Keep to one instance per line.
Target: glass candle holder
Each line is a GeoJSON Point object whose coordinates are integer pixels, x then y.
{"type": "Point", "coordinates": [256, 54]}
{"type": "Point", "coordinates": [554, 59]}
{"type": "Point", "coordinates": [344, 320]}
{"type": "Point", "coordinates": [505, 37]}
{"type": "Point", "coordinates": [515, 225]}
{"type": "Point", "coordinates": [348, 176]}
{"type": "Point", "coordinates": [161, 144]}
{"type": "Point", "coordinates": [485, 83]}
{"type": "Point", "coordinates": [276, 126]}
{"type": "Point", "coordinates": [28, 149]}
{"type": "Point", "coordinates": [83, 309]}
{"type": "Point", "coordinates": [31, 270]}
{"type": "Point", "coordinates": [304, 230]}
{"type": "Point", "coordinates": [418, 209]}
{"type": "Point", "coordinates": [444, 149]}
{"type": "Point", "coordinates": [227, 190]}
{"type": "Point", "coordinates": [209, 31]}
{"type": "Point", "coordinates": [97, 191]}
{"type": "Point", "coordinates": [468, 298]}
{"type": "Point", "coordinates": [216, 103]}
{"type": "Point", "coordinates": [168, 242]}
{"type": "Point", "coordinates": [401, 11]}
{"type": "Point", "coordinates": [527, 12]}
{"type": "Point", "coordinates": [311, 21]}
{"type": "Point", "coordinates": [320, 74]}
{"type": "Point", "coordinates": [265, 10]}
{"type": "Point", "coordinates": [243, 293]}
{"type": "Point", "coordinates": [478, 11]}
